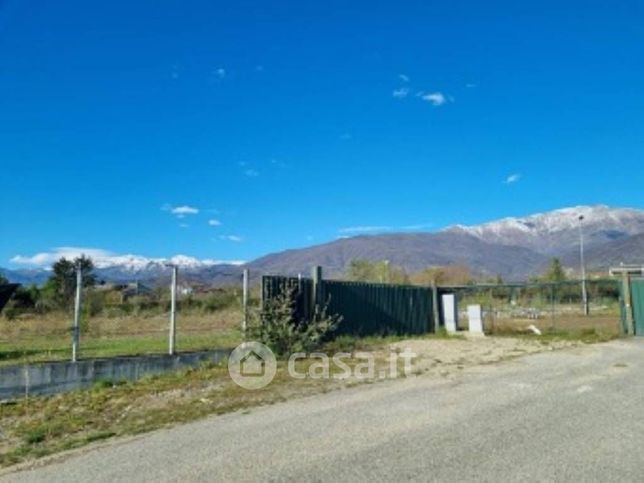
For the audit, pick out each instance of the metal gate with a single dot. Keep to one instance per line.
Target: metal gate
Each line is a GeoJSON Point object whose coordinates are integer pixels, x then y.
{"type": "Point", "coordinates": [637, 292]}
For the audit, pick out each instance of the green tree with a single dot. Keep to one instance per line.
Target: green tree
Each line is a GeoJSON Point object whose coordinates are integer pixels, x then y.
{"type": "Point", "coordinates": [62, 283]}
{"type": "Point", "coordinates": [3, 279]}
{"type": "Point", "coordinates": [446, 275]}
{"type": "Point", "coordinates": [555, 272]}
{"type": "Point", "coordinates": [363, 270]}
{"type": "Point", "coordinates": [26, 297]}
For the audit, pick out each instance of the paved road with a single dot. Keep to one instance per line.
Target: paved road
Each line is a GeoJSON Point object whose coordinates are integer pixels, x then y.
{"type": "Point", "coordinates": [569, 415]}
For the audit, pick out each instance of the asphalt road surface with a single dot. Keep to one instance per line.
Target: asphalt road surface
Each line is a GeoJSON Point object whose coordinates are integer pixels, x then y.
{"type": "Point", "coordinates": [568, 415]}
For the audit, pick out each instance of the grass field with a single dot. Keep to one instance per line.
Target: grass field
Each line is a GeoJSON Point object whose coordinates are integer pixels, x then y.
{"type": "Point", "coordinates": [607, 324]}
{"type": "Point", "coordinates": [560, 318]}
{"type": "Point", "coordinates": [39, 338]}
{"type": "Point", "coordinates": [33, 338]}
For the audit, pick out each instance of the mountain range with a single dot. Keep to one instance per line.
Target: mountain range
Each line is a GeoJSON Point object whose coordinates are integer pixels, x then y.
{"type": "Point", "coordinates": [514, 248]}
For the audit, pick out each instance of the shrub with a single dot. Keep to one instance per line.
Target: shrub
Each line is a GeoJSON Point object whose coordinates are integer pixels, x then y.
{"type": "Point", "coordinates": [10, 313]}
{"type": "Point", "coordinates": [220, 300]}
{"type": "Point", "coordinates": [278, 328]}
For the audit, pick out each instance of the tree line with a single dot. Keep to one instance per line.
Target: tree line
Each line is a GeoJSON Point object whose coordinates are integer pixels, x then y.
{"type": "Point", "coordinates": [59, 290]}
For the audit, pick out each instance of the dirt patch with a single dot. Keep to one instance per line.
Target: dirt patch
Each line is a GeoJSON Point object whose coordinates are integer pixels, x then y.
{"type": "Point", "coordinates": [443, 356]}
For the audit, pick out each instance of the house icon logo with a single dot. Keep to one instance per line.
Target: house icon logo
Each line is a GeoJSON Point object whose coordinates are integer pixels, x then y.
{"type": "Point", "coordinates": [252, 365]}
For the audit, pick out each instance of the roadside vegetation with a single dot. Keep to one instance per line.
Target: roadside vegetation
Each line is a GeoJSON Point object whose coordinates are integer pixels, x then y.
{"type": "Point", "coordinates": [130, 319]}
{"type": "Point", "coordinates": [116, 319]}
{"type": "Point", "coordinates": [34, 427]}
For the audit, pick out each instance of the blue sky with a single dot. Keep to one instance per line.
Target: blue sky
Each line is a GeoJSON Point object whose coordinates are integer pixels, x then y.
{"type": "Point", "coordinates": [227, 130]}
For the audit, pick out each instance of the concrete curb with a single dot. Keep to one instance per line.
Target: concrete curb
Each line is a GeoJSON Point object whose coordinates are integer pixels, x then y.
{"type": "Point", "coordinates": [55, 377]}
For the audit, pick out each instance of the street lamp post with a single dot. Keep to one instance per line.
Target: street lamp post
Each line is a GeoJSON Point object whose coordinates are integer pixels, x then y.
{"type": "Point", "coordinates": [584, 291]}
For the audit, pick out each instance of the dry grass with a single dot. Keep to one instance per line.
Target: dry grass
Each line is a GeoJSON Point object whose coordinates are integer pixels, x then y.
{"type": "Point", "coordinates": [31, 428]}
{"type": "Point", "coordinates": [39, 338]}
{"type": "Point", "coordinates": [571, 325]}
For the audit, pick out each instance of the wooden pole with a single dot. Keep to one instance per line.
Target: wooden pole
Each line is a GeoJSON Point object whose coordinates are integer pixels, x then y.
{"type": "Point", "coordinates": [435, 307]}
{"type": "Point", "coordinates": [316, 275]}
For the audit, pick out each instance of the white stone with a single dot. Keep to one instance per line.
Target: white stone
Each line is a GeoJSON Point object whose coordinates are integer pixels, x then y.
{"type": "Point", "coordinates": [475, 318]}
{"type": "Point", "coordinates": [449, 312]}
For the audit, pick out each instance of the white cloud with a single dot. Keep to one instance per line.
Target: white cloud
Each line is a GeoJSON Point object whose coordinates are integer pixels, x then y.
{"type": "Point", "coordinates": [45, 259]}
{"type": "Point", "coordinates": [104, 258]}
{"type": "Point", "coordinates": [400, 93]}
{"type": "Point", "coordinates": [364, 229]}
{"type": "Point", "coordinates": [184, 210]}
{"type": "Point", "coordinates": [214, 222]}
{"type": "Point", "coordinates": [403, 77]}
{"type": "Point", "coordinates": [181, 211]}
{"type": "Point", "coordinates": [232, 238]}
{"type": "Point", "coordinates": [183, 225]}
{"type": "Point", "coordinates": [251, 173]}
{"type": "Point", "coordinates": [513, 178]}
{"type": "Point", "coordinates": [248, 170]}
{"type": "Point", "coordinates": [417, 227]}
{"type": "Point", "coordinates": [436, 98]}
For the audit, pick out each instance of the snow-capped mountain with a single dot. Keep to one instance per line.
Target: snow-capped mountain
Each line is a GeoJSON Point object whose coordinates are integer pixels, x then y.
{"type": "Point", "coordinates": [557, 231]}
{"type": "Point", "coordinates": [135, 263]}
{"type": "Point", "coordinates": [515, 248]}
{"type": "Point", "coordinates": [118, 268]}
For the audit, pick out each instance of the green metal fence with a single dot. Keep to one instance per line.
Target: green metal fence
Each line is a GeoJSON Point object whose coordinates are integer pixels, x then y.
{"type": "Point", "coordinates": [375, 308]}
{"type": "Point", "coordinates": [366, 308]}
{"type": "Point", "coordinates": [301, 289]}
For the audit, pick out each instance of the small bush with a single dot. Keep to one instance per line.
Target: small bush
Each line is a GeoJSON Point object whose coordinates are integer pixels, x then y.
{"type": "Point", "coordinates": [35, 436]}
{"type": "Point", "coordinates": [10, 313]}
{"type": "Point", "coordinates": [278, 328]}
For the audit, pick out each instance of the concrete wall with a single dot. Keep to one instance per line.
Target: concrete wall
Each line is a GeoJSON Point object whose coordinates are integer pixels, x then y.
{"type": "Point", "coordinates": [55, 377]}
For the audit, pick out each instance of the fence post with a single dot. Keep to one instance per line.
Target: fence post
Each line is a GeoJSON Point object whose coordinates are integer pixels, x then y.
{"type": "Point", "coordinates": [245, 275]}
{"type": "Point", "coordinates": [316, 296]}
{"type": "Point", "coordinates": [77, 310]}
{"type": "Point", "coordinates": [626, 287]}
{"type": "Point", "coordinates": [173, 311]}
{"type": "Point", "coordinates": [435, 311]}
{"type": "Point", "coordinates": [552, 308]}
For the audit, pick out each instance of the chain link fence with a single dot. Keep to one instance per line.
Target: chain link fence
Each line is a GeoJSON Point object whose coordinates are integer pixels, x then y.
{"type": "Point", "coordinates": [117, 322]}
{"type": "Point", "coordinates": [550, 307]}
